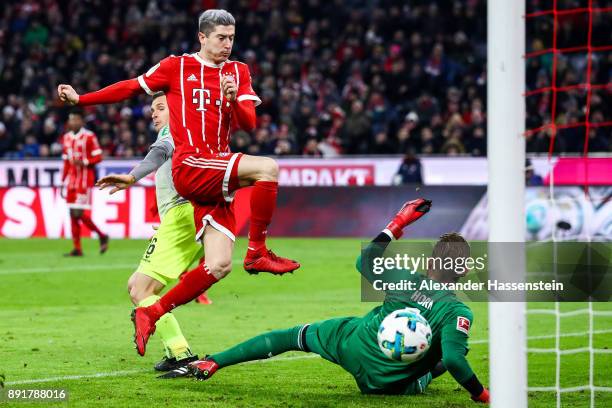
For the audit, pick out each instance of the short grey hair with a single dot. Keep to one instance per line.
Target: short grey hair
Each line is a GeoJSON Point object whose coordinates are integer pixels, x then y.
{"type": "Point", "coordinates": [211, 18]}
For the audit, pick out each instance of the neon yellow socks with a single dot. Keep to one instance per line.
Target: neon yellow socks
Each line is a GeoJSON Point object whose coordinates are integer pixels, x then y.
{"type": "Point", "coordinates": [170, 332]}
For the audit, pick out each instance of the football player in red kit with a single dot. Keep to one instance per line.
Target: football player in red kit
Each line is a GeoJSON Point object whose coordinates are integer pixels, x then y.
{"type": "Point", "coordinates": [80, 152]}
{"type": "Point", "coordinates": [207, 95]}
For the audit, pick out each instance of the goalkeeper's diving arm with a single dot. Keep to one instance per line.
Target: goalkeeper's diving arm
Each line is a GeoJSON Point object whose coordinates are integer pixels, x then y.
{"type": "Point", "coordinates": [409, 213]}
{"type": "Point", "coordinates": [454, 350]}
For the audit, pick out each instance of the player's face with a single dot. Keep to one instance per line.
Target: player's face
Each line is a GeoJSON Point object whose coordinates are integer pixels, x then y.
{"type": "Point", "coordinates": [217, 46]}
{"type": "Point", "coordinates": [159, 112]}
{"type": "Point", "coordinates": [75, 122]}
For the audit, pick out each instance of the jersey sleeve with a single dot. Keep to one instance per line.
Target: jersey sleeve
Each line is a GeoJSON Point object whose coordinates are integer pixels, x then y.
{"type": "Point", "coordinates": [245, 87]}
{"type": "Point", "coordinates": [157, 78]}
{"type": "Point", "coordinates": [93, 151]}
{"type": "Point", "coordinates": [65, 158]}
{"type": "Point", "coordinates": [164, 138]}
{"type": "Point", "coordinates": [454, 339]}
{"type": "Point", "coordinates": [158, 154]}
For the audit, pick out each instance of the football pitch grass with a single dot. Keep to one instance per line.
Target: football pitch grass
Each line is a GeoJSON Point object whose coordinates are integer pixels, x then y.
{"type": "Point", "coordinates": [64, 323]}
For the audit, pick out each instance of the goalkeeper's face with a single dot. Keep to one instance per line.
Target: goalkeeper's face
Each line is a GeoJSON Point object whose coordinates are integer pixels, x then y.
{"type": "Point", "coordinates": [159, 112]}
{"type": "Point", "coordinates": [217, 45]}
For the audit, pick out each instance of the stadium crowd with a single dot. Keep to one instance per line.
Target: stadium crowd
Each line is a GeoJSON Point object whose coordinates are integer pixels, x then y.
{"type": "Point", "coordinates": [335, 77]}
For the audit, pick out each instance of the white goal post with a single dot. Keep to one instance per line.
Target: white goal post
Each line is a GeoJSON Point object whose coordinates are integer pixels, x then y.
{"type": "Point", "coordinates": [506, 191]}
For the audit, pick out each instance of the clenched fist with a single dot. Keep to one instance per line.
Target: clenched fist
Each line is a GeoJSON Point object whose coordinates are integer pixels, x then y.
{"type": "Point", "coordinates": [67, 94]}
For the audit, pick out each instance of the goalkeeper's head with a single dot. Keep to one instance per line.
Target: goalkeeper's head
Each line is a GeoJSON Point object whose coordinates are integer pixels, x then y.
{"type": "Point", "coordinates": [448, 258]}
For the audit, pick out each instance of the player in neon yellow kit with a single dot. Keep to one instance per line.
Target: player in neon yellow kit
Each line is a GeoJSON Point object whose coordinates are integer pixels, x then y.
{"type": "Point", "coordinates": [173, 248]}
{"type": "Point", "coordinates": [351, 342]}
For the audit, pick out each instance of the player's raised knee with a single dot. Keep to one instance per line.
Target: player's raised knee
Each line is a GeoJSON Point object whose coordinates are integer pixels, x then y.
{"type": "Point", "coordinates": [219, 269]}
{"type": "Point", "coordinates": [269, 169]}
{"type": "Point", "coordinates": [136, 293]}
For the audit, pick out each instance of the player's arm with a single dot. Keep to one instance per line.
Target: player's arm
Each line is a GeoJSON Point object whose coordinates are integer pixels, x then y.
{"type": "Point", "coordinates": [156, 79]}
{"type": "Point", "coordinates": [158, 154]}
{"type": "Point", "coordinates": [454, 349]}
{"type": "Point", "coordinates": [409, 213]}
{"type": "Point", "coordinates": [66, 160]}
{"type": "Point", "coordinates": [65, 171]}
{"type": "Point", "coordinates": [93, 152]}
{"type": "Point", "coordinates": [244, 112]}
{"type": "Point", "coordinates": [239, 92]}
{"type": "Point", "coordinates": [66, 168]}
{"type": "Point", "coordinates": [114, 93]}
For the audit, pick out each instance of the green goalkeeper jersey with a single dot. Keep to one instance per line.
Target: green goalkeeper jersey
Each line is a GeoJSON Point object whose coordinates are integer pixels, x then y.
{"type": "Point", "coordinates": [450, 322]}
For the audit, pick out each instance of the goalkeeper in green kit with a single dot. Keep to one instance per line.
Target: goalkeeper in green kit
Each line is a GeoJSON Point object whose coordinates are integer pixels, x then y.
{"type": "Point", "coordinates": [351, 342]}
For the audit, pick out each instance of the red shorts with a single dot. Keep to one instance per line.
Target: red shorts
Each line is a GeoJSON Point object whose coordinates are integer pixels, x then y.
{"type": "Point", "coordinates": [209, 182]}
{"type": "Point", "coordinates": [220, 216]}
{"type": "Point", "coordinates": [79, 198]}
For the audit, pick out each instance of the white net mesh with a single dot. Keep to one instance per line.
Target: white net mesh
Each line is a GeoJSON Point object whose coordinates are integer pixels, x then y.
{"type": "Point", "coordinates": [571, 376]}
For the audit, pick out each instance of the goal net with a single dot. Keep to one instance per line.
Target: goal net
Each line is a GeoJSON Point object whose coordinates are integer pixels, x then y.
{"type": "Point", "coordinates": [564, 66]}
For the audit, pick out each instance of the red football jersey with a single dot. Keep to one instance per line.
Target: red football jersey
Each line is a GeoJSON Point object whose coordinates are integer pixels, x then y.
{"type": "Point", "coordinates": [82, 146]}
{"type": "Point", "coordinates": [200, 116]}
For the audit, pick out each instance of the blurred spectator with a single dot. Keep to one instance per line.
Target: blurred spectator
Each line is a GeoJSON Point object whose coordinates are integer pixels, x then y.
{"type": "Point", "coordinates": [31, 147]}
{"type": "Point", "coordinates": [357, 129]}
{"type": "Point", "coordinates": [409, 171]}
{"type": "Point", "coordinates": [531, 178]}
{"type": "Point", "coordinates": [382, 145]}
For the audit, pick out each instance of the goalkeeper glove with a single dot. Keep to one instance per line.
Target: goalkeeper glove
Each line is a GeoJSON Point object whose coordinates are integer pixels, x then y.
{"type": "Point", "coordinates": [409, 213]}
{"type": "Point", "coordinates": [483, 397]}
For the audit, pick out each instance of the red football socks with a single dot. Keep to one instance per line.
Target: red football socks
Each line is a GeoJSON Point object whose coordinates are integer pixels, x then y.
{"type": "Point", "coordinates": [189, 287]}
{"type": "Point", "coordinates": [90, 224]}
{"type": "Point", "coordinates": [263, 204]}
{"type": "Point", "coordinates": [75, 226]}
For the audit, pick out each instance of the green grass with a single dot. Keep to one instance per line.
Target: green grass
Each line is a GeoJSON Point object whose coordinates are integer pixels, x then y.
{"type": "Point", "coordinates": [70, 317]}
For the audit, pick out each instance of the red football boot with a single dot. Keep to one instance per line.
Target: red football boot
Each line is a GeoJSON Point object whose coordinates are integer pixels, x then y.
{"type": "Point", "coordinates": [409, 213]}
{"type": "Point", "coordinates": [104, 243]}
{"type": "Point", "coordinates": [203, 299]}
{"type": "Point", "coordinates": [203, 369]}
{"type": "Point", "coordinates": [74, 252]}
{"type": "Point", "coordinates": [144, 327]}
{"type": "Point", "coordinates": [268, 261]}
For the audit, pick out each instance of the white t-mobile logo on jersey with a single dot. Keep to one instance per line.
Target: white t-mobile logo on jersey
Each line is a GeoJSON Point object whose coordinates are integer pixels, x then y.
{"type": "Point", "coordinates": [201, 97]}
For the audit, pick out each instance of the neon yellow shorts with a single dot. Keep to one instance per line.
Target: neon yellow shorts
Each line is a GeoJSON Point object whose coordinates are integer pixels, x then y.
{"type": "Point", "coordinates": [173, 248]}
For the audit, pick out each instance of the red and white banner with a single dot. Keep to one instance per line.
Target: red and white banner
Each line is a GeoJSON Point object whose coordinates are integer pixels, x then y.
{"type": "Point", "coordinates": [348, 171]}
{"type": "Point", "coordinates": [321, 212]}
{"type": "Point", "coordinates": [326, 175]}
{"type": "Point", "coordinates": [42, 212]}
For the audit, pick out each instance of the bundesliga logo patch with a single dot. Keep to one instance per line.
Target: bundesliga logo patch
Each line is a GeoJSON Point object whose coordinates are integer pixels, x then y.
{"type": "Point", "coordinates": [463, 324]}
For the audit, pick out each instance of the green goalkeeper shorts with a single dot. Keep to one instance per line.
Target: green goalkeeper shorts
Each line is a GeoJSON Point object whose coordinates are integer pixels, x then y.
{"type": "Point", "coordinates": [173, 248]}
{"type": "Point", "coordinates": [327, 338]}
{"type": "Point", "coordinates": [332, 340]}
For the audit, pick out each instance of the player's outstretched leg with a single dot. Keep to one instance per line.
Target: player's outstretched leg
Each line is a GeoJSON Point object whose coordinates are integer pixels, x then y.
{"type": "Point", "coordinates": [195, 282]}
{"type": "Point", "coordinates": [143, 290]}
{"type": "Point", "coordinates": [145, 318]}
{"type": "Point", "coordinates": [262, 174]}
{"type": "Point", "coordinates": [203, 299]}
{"type": "Point", "coordinates": [257, 348]}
